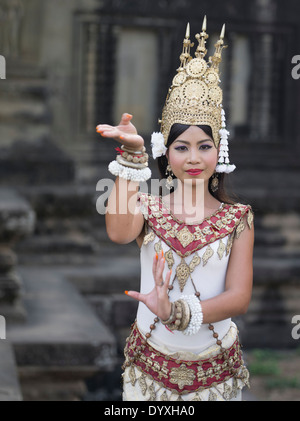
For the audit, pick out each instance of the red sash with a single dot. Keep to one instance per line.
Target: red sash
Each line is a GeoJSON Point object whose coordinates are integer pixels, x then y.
{"type": "Point", "coordinates": [180, 375]}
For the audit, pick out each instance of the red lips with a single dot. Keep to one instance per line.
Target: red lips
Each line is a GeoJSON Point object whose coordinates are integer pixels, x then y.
{"type": "Point", "coordinates": [194, 171]}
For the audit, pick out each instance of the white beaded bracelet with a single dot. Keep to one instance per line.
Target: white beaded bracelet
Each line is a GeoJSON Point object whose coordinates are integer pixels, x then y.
{"type": "Point", "coordinates": [128, 173]}
{"type": "Point", "coordinates": [196, 314]}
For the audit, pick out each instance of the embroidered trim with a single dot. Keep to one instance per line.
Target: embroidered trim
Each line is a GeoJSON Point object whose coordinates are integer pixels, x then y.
{"type": "Point", "coordinates": [184, 238]}
{"type": "Point", "coordinates": [180, 376]}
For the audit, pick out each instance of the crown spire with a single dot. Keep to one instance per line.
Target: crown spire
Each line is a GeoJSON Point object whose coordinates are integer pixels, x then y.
{"type": "Point", "coordinates": [217, 57]}
{"type": "Point", "coordinates": [185, 56]}
{"type": "Point", "coordinates": [202, 37]}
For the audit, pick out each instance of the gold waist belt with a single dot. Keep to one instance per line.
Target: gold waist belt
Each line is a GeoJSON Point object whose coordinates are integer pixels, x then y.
{"type": "Point", "coordinates": [179, 375]}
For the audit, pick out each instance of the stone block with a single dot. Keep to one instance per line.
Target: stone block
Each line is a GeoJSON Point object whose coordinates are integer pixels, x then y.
{"type": "Point", "coordinates": [61, 328]}
{"type": "Point", "coordinates": [9, 382]}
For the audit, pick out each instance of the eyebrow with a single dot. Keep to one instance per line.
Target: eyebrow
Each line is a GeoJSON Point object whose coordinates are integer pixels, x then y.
{"type": "Point", "coordinates": [188, 143]}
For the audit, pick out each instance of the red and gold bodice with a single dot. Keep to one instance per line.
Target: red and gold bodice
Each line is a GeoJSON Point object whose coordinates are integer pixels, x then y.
{"type": "Point", "coordinates": [198, 254]}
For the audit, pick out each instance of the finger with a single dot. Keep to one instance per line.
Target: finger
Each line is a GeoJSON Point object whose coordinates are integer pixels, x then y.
{"type": "Point", "coordinates": [109, 133]}
{"type": "Point", "coordinates": [160, 270]}
{"type": "Point", "coordinates": [101, 127]}
{"type": "Point", "coordinates": [154, 264]}
{"type": "Point", "coordinates": [125, 119]}
{"type": "Point", "coordinates": [136, 295]}
{"type": "Point", "coordinates": [167, 279]}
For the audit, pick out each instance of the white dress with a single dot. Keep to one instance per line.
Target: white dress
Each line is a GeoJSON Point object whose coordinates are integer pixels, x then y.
{"type": "Point", "coordinates": [205, 248]}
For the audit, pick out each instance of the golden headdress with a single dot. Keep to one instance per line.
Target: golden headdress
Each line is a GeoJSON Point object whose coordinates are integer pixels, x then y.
{"type": "Point", "coordinates": [195, 97]}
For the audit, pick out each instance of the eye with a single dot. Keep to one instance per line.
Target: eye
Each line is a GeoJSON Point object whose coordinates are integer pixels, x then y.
{"type": "Point", "coordinates": [180, 148]}
{"type": "Point", "coordinates": [205, 147]}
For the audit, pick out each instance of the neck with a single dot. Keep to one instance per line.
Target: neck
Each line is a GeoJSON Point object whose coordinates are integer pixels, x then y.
{"type": "Point", "coordinates": [191, 198]}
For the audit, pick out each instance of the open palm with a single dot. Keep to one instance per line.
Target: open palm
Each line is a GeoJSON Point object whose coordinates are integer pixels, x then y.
{"type": "Point", "coordinates": [157, 300]}
{"type": "Point", "coordinates": [125, 132]}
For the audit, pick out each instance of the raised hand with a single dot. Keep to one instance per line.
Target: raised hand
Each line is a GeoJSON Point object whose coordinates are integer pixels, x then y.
{"type": "Point", "coordinates": [157, 300]}
{"type": "Point", "coordinates": [124, 133]}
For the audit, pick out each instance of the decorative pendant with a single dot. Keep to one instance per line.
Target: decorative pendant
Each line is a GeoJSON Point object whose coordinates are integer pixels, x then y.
{"type": "Point", "coordinates": [195, 262]}
{"type": "Point", "coordinates": [229, 243]}
{"type": "Point", "coordinates": [164, 396]}
{"type": "Point", "coordinates": [148, 238]}
{"type": "Point", "coordinates": [207, 255]}
{"type": "Point", "coordinates": [221, 249]}
{"type": "Point", "coordinates": [170, 181]}
{"type": "Point", "coordinates": [250, 218]}
{"type": "Point", "coordinates": [157, 247]}
{"type": "Point", "coordinates": [132, 375]}
{"type": "Point", "coordinates": [143, 384]}
{"type": "Point", "coordinates": [240, 228]}
{"type": "Point", "coordinates": [169, 258]}
{"type": "Point", "coordinates": [214, 183]}
{"type": "Point", "coordinates": [152, 392]}
{"type": "Point", "coordinates": [212, 396]}
{"type": "Point", "coordinates": [182, 273]}
{"type": "Point", "coordinates": [227, 392]}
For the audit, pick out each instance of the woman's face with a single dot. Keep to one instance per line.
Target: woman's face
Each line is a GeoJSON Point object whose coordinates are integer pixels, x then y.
{"type": "Point", "coordinates": [193, 155]}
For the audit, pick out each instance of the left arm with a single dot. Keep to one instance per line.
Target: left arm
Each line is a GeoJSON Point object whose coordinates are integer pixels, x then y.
{"type": "Point", "coordinates": [238, 285]}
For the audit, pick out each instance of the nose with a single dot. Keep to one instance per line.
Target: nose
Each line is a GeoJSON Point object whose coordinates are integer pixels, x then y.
{"type": "Point", "coordinates": [194, 156]}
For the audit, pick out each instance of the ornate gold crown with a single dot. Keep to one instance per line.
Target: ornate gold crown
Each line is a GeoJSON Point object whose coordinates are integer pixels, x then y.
{"type": "Point", "coordinates": [195, 97]}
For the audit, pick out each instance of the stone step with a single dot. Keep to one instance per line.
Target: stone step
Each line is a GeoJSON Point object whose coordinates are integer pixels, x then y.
{"type": "Point", "coordinates": [34, 162]}
{"type": "Point", "coordinates": [33, 86]}
{"type": "Point", "coordinates": [68, 243]}
{"type": "Point", "coordinates": [17, 110]}
{"type": "Point", "coordinates": [76, 244]}
{"type": "Point", "coordinates": [62, 200]}
{"type": "Point", "coordinates": [9, 381]}
{"type": "Point", "coordinates": [110, 275]}
{"type": "Point", "coordinates": [61, 328]}
{"type": "Point", "coordinates": [28, 133]}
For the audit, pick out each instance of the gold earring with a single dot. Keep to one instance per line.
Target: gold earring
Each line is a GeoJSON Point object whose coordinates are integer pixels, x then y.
{"type": "Point", "coordinates": [169, 173]}
{"type": "Point", "coordinates": [214, 183]}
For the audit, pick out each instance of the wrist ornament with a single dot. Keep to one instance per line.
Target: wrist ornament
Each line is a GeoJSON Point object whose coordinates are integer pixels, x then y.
{"type": "Point", "coordinates": [186, 315]}
{"type": "Point", "coordinates": [131, 164]}
{"type": "Point", "coordinates": [196, 318]}
{"type": "Point", "coordinates": [179, 317]}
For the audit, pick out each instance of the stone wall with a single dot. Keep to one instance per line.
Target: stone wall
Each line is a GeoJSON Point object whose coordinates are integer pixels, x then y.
{"type": "Point", "coordinates": [61, 81]}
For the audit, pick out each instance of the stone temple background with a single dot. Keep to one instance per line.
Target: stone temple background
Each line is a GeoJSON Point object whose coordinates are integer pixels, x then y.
{"type": "Point", "coordinates": [73, 64]}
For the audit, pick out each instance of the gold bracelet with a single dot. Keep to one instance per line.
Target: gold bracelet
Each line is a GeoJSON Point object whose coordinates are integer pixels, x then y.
{"type": "Point", "coordinates": [171, 318]}
{"type": "Point", "coordinates": [138, 166]}
{"type": "Point", "coordinates": [133, 151]}
{"type": "Point", "coordinates": [186, 315]}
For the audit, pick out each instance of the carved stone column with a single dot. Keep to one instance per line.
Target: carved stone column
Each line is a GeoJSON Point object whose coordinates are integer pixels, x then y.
{"type": "Point", "coordinates": [16, 221]}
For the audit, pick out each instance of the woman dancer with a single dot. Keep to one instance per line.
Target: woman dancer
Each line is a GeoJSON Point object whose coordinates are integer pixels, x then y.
{"type": "Point", "coordinates": [196, 244]}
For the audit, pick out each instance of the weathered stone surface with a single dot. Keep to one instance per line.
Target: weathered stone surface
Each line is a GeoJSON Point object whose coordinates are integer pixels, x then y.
{"type": "Point", "coordinates": [9, 381]}
{"type": "Point", "coordinates": [61, 329]}
{"type": "Point", "coordinates": [17, 218]}
{"type": "Point", "coordinates": [37, 162]}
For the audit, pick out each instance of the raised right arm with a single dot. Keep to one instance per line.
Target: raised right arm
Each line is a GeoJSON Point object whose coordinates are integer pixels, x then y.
{"type": "Point", "coordinates": [124, 221]}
